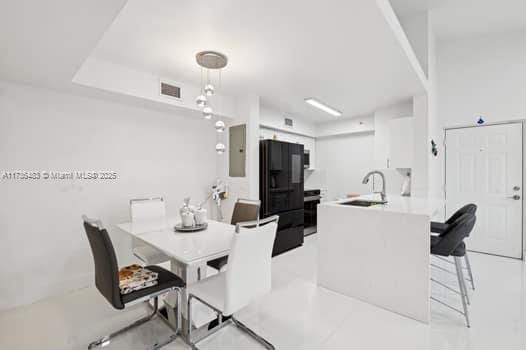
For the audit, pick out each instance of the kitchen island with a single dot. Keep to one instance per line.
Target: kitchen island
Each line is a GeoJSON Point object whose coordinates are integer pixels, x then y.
{"type": "Point", "coordinates": [378, 253]}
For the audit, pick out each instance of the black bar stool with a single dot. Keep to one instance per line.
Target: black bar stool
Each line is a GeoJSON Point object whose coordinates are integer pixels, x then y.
{"type": "Point", "coordinates": [451, 243]}
{"type": "Point", "coordinates": [441, 227]}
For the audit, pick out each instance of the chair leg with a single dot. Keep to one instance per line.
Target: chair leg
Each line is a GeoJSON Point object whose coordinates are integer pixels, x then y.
{"type": "Point", "coordinates": [221, 323]}
{"type": "Point", "coordinates": [468, 265]}
{"type": "Point", "coordinates": [462, 286]}
{"type": "Point", "coordinates": [251, 333]}
{"type": "Point", "coordinates": [107, 339]}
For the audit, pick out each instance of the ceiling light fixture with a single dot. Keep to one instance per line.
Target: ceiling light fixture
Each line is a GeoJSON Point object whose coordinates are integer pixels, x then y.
{"type": "Point", "coordinates": [320, 105]}
{"type": "Point", "coordinates": [220, 126]}
{"type": "Point", "coordinates": [209, 90]}
{"type": "Point", "coordinates": [208, 112]}
{"type": "Point", "coordinates": [211, 61]}
{"type": "Point", "coordinates": [201, 101]}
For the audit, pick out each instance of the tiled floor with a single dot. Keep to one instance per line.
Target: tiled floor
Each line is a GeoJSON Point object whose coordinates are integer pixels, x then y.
{"type": "Point", "coordinates": [297, 315]}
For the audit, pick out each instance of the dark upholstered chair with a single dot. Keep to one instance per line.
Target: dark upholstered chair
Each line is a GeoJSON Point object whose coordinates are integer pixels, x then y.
{"type": "Point", "coordinates": [244, 210]}
{"type": "Point", "coordinates": [451, 244]}
{"type": "Point", "coordinates": [107, 280]}
{"type": "Point", "coordinates": [441, 227]}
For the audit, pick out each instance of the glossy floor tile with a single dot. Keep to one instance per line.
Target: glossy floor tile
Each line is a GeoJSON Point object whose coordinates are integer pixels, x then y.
{"type": "Point", "coordinates": [298, 315]}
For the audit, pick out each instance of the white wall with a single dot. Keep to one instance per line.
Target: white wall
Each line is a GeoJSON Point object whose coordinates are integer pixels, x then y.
{"type": "Point", "coordinates": [44, 249]}
{"type": "Point", "coordinates": [478, 76]}
{"type": "Point", "coordinates": [342, 163]}
{"type": "Point", "coordinates": [346, 126]}
{"type": "Point", "coordinates": [484, 76]}
{"type": "Point", "coordinates": [273, 118]}
{"type": "Point", "coordinates": [435, 131]}
{"type": "Point", "coordinates": [247, 112]}
{"type": "Point", "coordinates": [128, 81]}
{"type": "Point", "coordinates": [416, 26]}
{"type": "Point", "coordinates": [419, 176]}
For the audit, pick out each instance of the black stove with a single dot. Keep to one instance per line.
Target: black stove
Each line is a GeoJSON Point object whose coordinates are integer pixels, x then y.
{"type": "Point", "coordinates": [311, 199]}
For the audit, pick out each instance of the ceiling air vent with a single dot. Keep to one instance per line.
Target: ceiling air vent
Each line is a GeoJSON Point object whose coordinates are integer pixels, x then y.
{"type": "Point", "coordinates": [170, 90]}
{"type": "Point", "coordinates": [288, 122]}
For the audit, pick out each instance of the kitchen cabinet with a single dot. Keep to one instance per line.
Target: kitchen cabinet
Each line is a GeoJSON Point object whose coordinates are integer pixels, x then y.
{"type": "Point", "coordinates": [401, 144]}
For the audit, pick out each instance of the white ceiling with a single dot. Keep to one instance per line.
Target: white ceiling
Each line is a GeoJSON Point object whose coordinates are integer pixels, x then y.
{"type": "Point", "coordinates": [287, 50]}
{"type": "Point", "coordinates": [45, 42]}
{"type": "Point", "coordinates": [339, 51]}
{"type": "Point", "coordinates": [464, 18]}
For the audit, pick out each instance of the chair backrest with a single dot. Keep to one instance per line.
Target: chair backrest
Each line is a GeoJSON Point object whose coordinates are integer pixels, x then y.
{"type": "Point", "coordinates": [105, 260]}
{"type": "Point", "coordinates": [249, 274]}
{"type": "Point", "coordinates": [454, 235]}
{"type": "Point", "coordinates": [467, 209]}
{"type": "Point", "coordinates": [245, 210]}
{"type": "Point", "coordinates": [147, 208]}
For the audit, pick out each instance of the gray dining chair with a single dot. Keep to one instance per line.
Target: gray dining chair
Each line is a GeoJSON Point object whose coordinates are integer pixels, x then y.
{"type": "Point", "coordinates": [107, 283]}
{"type": "Point", "coordinates": [244, 210]}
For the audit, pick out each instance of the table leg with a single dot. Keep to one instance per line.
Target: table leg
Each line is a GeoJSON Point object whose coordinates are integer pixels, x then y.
{"type": "Point", "coordinates": [177, 313]}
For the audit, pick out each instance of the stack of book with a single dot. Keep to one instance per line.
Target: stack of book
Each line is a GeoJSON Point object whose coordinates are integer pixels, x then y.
{"type": "Point", "coordinates": [135, 277]}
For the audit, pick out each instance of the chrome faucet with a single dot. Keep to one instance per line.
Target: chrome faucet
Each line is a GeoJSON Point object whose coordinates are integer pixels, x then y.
{"type": "Point", "coordinates": [365, 181]}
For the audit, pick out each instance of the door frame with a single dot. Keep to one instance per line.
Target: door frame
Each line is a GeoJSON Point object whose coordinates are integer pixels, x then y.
{"type": "Point", "coordinates": [522, 122]}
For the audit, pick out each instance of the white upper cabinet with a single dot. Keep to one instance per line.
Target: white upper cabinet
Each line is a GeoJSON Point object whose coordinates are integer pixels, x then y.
{"type": "Point", "coordinates": [401, 144]}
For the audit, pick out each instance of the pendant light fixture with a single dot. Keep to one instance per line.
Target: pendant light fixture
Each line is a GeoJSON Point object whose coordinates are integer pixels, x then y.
{"type": "Point", "coordinates": [208, 112]}
{"type": "Point", "coordinates": [220, 126]}
{"type": "Point", "coordinates": [211, 61]}
{"type": "Point", "coordinates": [220, 148]}
{"type": "Point", "coordinates": [201, 99]}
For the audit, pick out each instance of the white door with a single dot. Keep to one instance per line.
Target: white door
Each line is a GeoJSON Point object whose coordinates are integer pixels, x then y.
{"type": "Point", "coordinates": [484, 166]}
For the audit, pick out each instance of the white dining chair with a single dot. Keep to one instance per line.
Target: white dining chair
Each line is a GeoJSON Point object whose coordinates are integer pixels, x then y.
{"type": "Point", "coordinates": [144, 209]}
{"type": "Point", "coordinates": [248, 277]}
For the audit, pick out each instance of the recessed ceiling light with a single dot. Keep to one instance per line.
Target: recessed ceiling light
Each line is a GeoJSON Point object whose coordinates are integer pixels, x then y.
{"type": "Point", "coordinates": [323, 107]}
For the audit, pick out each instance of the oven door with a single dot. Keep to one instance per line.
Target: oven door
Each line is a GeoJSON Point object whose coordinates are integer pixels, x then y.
{"type": "Point", "coordinates": [311, 214]}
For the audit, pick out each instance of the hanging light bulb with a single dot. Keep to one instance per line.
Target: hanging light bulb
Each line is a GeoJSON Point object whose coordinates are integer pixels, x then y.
{"type": "Point", "coordinates": [208, 112]}
{"type": "Point", "coordinates": [209, 89]}
{"type": "Point", "coordinates": [201, 101]}
{"type": "Point", "coordinates": [220, 148]}
{"type": "Point", "coordinates": [220, 126]}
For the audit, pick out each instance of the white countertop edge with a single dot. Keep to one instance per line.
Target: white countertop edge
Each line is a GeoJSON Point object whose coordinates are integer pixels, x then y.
{"type": "Point", "coordinates": [395, 204]}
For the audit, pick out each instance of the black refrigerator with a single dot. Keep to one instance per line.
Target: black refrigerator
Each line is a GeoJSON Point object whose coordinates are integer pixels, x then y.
{"type": "Point", "coordinates": [281, 190]}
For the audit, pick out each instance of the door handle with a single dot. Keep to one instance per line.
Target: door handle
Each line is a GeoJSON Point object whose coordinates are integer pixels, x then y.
{"type": "Point", "coordinates": [515, 197]}
{"type": "Point", "coordinates": [516, 188]}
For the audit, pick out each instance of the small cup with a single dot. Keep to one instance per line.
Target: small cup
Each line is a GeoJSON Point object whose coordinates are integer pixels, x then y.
{"type": "Point", "coordinates": [200, 216]}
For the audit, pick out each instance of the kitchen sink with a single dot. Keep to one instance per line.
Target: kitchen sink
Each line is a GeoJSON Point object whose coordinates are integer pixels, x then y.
{"type": "Point", "coordinates": [363, 203]}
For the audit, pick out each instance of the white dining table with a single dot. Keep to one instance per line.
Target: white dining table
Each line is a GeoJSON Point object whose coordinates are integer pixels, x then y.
{"type": "Point", "coordinates": [188, 251]}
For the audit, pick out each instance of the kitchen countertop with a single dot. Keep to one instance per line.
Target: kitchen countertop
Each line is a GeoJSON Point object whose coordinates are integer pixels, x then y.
{"type": "Point", "coordinates": [397, 204]}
